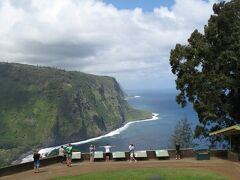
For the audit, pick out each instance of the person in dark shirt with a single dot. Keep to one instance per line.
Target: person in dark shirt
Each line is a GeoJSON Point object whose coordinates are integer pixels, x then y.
{"type": "Point", "coordinates": [178, 151]}
{"type": "Point", "coordinates": [36, 157]}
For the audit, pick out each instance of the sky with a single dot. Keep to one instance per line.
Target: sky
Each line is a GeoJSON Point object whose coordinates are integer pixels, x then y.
{"type": "Point", "coordinates": [127, 39]}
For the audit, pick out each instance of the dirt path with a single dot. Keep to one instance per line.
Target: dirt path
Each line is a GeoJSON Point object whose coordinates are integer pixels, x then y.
{"type": "Point", "coordinates": [225, 168]}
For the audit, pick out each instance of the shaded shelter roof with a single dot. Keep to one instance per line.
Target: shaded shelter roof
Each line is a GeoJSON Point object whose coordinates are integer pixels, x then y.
{"type": "Point", "coordinates": [227, 131]}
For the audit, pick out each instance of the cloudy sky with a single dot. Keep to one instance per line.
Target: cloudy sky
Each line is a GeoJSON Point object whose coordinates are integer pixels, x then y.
{"type": "Point", "coordinates": [130, 40]}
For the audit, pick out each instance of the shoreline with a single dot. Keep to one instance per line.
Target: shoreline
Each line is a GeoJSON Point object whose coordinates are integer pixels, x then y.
{"type": "Point", "coordinates": [45, 151]}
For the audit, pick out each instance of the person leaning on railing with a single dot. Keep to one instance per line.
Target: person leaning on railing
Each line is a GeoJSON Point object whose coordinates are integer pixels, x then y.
{"type": "Point", "coordinates": [36, 158]}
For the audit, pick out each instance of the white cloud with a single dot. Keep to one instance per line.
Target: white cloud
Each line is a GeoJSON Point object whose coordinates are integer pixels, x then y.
{"type": "Point", "coordinates": [96, 37]}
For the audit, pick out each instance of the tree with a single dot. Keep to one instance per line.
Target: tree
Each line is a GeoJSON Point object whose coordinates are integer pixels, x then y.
{"type": "Point", "coordinates": [208, 69]}
{"type": "Point", "coordinates": [182, 134]}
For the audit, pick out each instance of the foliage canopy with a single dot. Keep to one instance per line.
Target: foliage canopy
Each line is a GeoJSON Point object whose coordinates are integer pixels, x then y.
{"type": "Point", "coordinates": [208, 68]}
{"type": "Point", "coordinates": [182, 134]}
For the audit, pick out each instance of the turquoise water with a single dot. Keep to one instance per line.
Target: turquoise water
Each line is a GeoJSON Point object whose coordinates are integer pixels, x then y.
{"type": "Point", "coordinates": [149, 135]}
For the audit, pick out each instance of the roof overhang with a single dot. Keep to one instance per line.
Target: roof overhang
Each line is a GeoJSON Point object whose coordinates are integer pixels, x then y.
{"type": "Point", "coordinates": [227, 131]}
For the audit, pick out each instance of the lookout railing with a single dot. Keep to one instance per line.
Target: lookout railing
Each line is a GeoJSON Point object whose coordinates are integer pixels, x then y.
{"type": "Point", "coordinates": [185, 153]}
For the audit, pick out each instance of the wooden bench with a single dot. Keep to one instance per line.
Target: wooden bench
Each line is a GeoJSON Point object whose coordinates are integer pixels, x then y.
{"type": "Point", "coordinates": [140, 154]}
{"type": "Point", "coordinates": [76, 155]}
{"type": "Point", "coordinates": [118, 155]}
{"type": "Point", "coordinates": [98, 155]}
{"type": "Point", "coordinates": [162, 154]}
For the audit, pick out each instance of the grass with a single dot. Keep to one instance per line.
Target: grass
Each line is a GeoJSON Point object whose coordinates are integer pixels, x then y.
{"type": "Point", "coordinates": [153, 173]}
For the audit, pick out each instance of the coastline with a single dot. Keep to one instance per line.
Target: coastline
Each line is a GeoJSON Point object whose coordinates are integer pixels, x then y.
{"type": "Point", "coordinates": [45, 151]}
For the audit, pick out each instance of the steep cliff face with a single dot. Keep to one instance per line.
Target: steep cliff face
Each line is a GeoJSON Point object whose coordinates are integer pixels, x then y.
{"type": "Point", "coordinates": [41, 106]}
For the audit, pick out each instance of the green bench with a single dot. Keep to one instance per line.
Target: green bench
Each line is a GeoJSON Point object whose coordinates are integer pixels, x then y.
{"type": "Point", "coordinates": [202, 155]}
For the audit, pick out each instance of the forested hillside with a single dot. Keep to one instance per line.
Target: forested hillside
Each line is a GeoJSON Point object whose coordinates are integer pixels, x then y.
{"type": "Point", "coordinates": [42, 106]}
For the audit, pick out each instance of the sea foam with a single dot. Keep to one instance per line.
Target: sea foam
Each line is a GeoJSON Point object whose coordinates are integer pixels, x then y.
{"type": "Point", "coordinates": [137, 96]}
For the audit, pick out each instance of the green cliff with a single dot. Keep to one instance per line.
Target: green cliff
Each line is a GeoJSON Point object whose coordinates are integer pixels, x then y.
{"type": "Point", "coordinates": [42, 106]}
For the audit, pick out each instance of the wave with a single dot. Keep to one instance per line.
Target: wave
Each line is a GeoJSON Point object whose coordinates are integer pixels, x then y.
{"type": "Point", "coordinates": [137, 96]}
{"type": "Point", "coordinates": [132, 97]}
{"type": "Point", "coordinates": [44, 152]}
{"type": "Point", "coordinates": [117, 131]}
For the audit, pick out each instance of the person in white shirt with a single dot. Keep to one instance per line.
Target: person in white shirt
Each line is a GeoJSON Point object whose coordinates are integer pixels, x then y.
{"type": "Point", "coordinates": [131, 153]}
{"type": "Point", "coordinates": [107, 148]}
{"type": "Point", "coordinates": [92, 151]}
{"type": "Point", "coordinates": [61, 152]}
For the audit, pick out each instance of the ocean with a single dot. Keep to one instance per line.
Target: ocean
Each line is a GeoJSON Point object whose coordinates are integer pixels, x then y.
{"type": "Point", "coordinates": [150, 134]}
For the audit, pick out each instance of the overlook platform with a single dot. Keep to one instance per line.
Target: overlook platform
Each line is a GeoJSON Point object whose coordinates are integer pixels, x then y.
{"type": "Point", "coordinates": [228, 169]}
{"type": "Point", "coordinates": [50, 167]}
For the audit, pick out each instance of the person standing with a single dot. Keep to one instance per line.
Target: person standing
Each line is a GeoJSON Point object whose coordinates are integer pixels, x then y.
{"type": "Point", "coordinates": [36, 158]}
{"type": "Point", "coordinates": [107, 148]}
{"type": "Point", "coordinates": [69, 155]}
{"type": "Point", "coordinates": [131, 153]}
{"type": "Point", "coordinates": [92, 151]}
{"type": "Point", "coordinates": [61, 153]}
{"type": "Point", "coordinates": [178, 151]}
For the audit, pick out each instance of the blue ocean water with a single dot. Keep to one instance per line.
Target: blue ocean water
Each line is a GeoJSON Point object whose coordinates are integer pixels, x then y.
{"type": "Point", "coordinates": [149, 135]}
{"type": "Point", "coordinates": [145, 135]}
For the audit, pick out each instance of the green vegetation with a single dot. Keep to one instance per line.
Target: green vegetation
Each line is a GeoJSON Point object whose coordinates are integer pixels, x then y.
{"type": "Point", "coordinates": [208, 69]}
{"type": "Point", "coordinates": [41, 106]}
{"type": "Point", "coordinates": [138, 174]}
{"type": "Point", "coordinates": [182, 134]}
{"type": "Point", "coordinates": [134, 114]}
